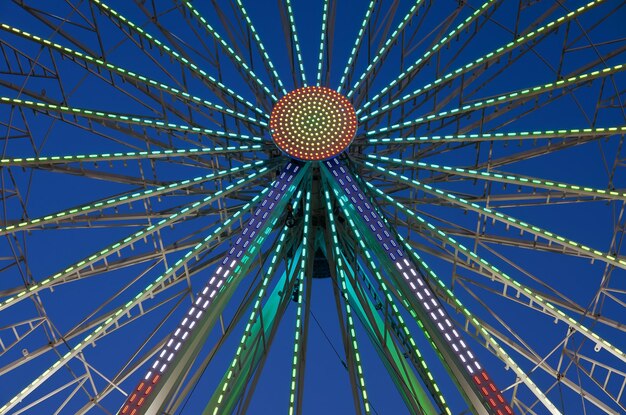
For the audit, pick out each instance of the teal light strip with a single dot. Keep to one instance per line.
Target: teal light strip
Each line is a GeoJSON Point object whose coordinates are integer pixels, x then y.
{"type": "Point", "coordinates": [320, 58]}
{"type": "Point", "coordinates": [106, 9]}
{"type": "Point", "coordinates": [357, 45]}
{"type": "Point", "coordinates": [349, 319]}
{"type": "Point", "coordinates": [153, 154]}
{"type": "Point", "coordinates": [386, 46]}
{"type": "Point", "coordinates": [126, 119]}
{"type": "Point", "coordinates": [505, 178]}
{"type": "Point", "coordinates": [524, 93]}
{"type": "Point", "coordinates": [296, 42]}
{"type": "Point", "coordinates": [126, 198]}
{"type": "Point", "coordinates": [521, 135]}
{"type": "Point", "coordinates": [229, 51]}
{"type": "Point", "coordinates": [299, 329]}
{"type": "Point", "coordinates": [125, 242]}
{"type": "Point", "coordinates": [126, 74]}
{"type": "Point", "coordinates": [494, 55]}
{"type": "Point", "coordinates": [430, 52]}
{"type": "Point", "coordinates": [265, 56]}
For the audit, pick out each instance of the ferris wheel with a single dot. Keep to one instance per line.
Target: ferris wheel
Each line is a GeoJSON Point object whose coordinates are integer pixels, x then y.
{"type": "Point", "coordinates": [370, 207]}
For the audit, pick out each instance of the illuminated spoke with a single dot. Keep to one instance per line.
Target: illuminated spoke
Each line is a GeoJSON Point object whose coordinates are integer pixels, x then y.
{"type": "Point", "coordinates": [522, 94]}
{"type": "Point", "coordinates": [386, 46]}
{"type": "Point", "coordinates": [296, 42]}
{"type": "Point", "coordinates": [266, 59]}
{"type": "Point", "coordinates": [193, 68]}
{"type": "Point", "coordinates": [357, 45]}
{"type": "Point", "coordinates": [429, 53]}
{"type": "Point", "coordinates": [301, 295]}
{"type": "Point", "coordinates": [320, 58]}
{"type": "Point", "coordinates": [574, 133]}
{"type": "Point", "coordinates": [133, 155]}
{"type": "Point", "coordinates": [125, 119]}
{"type": "Point", "coordinates": [75, 269]}
{"type": "Point", "coordinates": [237, 60]}
{"type": "Point", "coordinates": [132, 76]}
{"type": "Point", "coordinates": [506, 178]}
{"type": "Point", "coordinates": [124, 199]}
{"type": "Point", "coordinates": [489, 57]}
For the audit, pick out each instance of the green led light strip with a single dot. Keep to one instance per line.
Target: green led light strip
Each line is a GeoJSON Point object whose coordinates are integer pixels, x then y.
{"type": "Point", "coordinates": [508, 281]}
{"type": "Point", "coordinates": [106, 9]}
{"type": "Point", "coordinates": [521, 135]}
{"type": "Point", "coordinates": [581, 249]}
{"type": "Point", "coordinates": [127, 198]}
{"type": "Point", "coordinates": [297, 345]}
{"type": "Point", "coordinates": [386, 46]}
{"type": "Point", "coordinates": [229, 51]}
{"type": "Point", "coordinates": [429, 53]}
{"type": "Point", "coordinates": [357, 45]}
{"type": "Point", "coordinates": [491, 56]}
{"type": "Point", "coordinates": [506, 178]}
{"type": "Point", "coordinates": [123, 243]}
{"type": "Point", "coordinates": [121, 311]}
{"type": "Point", "coordinates": [349, 320]}
{"type": "Point", "coordinates": [126, 119]}
{"type": "Point", "coordinates": [423, 370]}
{"type": "Point", "coordinates": [296, 42]}
{"type": "Point", "coordinates": [320, 58]}
{"type": "Point", "coordinates": [524, 93]}
{"type": "Point", "coordinates": [126, 74]}
{"type": "Point", "coordinates": [264, 55]}
{"type": "Point", "coordinates": [153, 154]}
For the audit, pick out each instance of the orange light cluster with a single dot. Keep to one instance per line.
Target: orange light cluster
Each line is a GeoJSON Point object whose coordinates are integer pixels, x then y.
{"type": "Point", "coordinates": [313, 123]}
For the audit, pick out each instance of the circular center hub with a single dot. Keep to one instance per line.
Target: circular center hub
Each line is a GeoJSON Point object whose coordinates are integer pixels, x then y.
{"type": "Point", "coordinates": [313, 123]}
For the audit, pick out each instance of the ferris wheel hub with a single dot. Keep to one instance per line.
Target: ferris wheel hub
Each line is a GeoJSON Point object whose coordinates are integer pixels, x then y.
{"type": "Point", "coordinates": [313, 123]}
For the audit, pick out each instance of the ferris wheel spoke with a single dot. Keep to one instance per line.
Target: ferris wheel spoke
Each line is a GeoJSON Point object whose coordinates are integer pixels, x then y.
{"type": "Point", "coordinates": [178, 354]}
{"type": "Point", "coordinates": [129, 198]}
{"type": "Point", "coordinates": [495, 101]}
{"type": "Point", "coordinates": [511, 284]}
{"type": "Point", "coordinates": [128, 75]}
{"type": "Point", "coordinates": [357, 45]}
{"type": "Point", "coordinates": [582, 250]}
{"type": "Point", "coordinates": [133, 155]}
{"type": "Point", "coordinates": [323, 41]}
{"type": "Point", "coordinates": [130, 120]}
{"type": "Point", "coordinates": [295, 46]}
{"type": "Point", "coordinates": [489, 57]}
{"type": "Point", "coordinates": [569, 134]}
{"type": "Point", "coordinates": [302, 297]}
{"type": "Point", "coordinates": [264, 55]}
{"type": "Point", "coordinates": [357, 376]}
{"type": "Point", "coordinates": [479, 390]}
{"type": "Point", "coordinates": [234, 56]}
{"type": "Point", "coordinates": [416, 357]}
{"type": "Point", "coordinates": [210, 81]}
{"type": "Point", "coordinates": [445, 40]}
{"type": "Point", "coordinates": [502, 177]}
{"type": "Point", "coordinates": [74, 271]}
{"type": "Point", "coordinates": [382, 52]}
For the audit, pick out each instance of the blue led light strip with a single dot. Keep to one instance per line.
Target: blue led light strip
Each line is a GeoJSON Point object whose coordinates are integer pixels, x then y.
{"type": "Point", "coordinates": [427, 300]}
{"type": "Point", "coordinates": [226, 267]}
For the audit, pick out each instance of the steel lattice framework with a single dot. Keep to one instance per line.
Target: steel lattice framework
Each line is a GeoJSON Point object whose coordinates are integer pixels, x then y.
{"type": "Point", "coordinates": [179, 178]}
